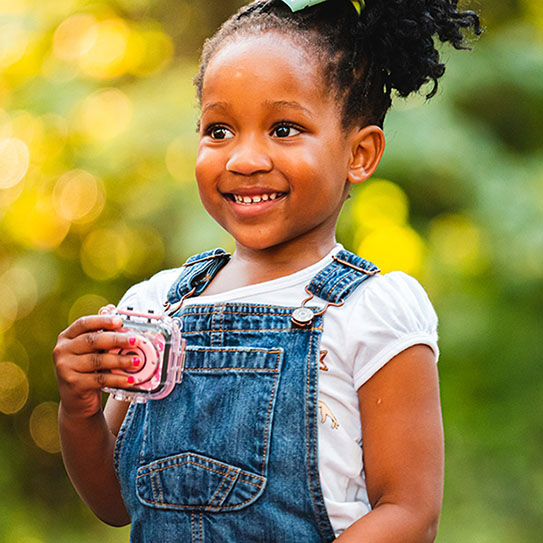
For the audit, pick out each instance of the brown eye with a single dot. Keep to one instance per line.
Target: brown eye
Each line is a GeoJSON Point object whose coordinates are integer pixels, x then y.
{"type": "Point", "coordinates": [219, 133]}
{"type": "Point", "coordinates": [285, 131]}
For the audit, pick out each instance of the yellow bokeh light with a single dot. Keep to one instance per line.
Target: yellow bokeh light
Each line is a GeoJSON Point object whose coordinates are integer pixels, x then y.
{"type": "Point", "coordinates": [106, 58]}
{"type": "Point", "coordinates": [8, 7]}
{"type": "Point", "coordinates": [13, 43]}
{"type": "Point", "coordinates": [5, 125]}
{"type": "Point", "coordinates": [55, 130]}
{"type": "Point", "coordinates": [146, 252]}
{"type": "Point", "coordinates": [456, 241]}
{"type": "Point", "coordinates": [14, 162]}
{"type": "Point", "coordinates": [8, 307]}
{"type": "Point", "coordinates": [75, 36]}
{"type": "Point", "coordinates": [44, 427]}
{"type": "Point", "coordinates": [13, 388]}
{"type": "Point", "coordinates": [104, 115]}
{"type": "Point", "coordinates": [41, 228]}
{"type": "Point", "coordinates": [104, 253]}
{"type": "Point", "coordinates": [21, 281]}
{"type": "Point", "coordinates": [149, 52]}
{"type": "Point", "coordinates": [88, 304]}
{"type": "Point", "coordinates": [394, 248]}
{"type": "Point", "coordinates": [380, 203]}
{"type": "Point", "coordinates": [180, 158]}
{"type": "Point", "coordinates": [78, 196]}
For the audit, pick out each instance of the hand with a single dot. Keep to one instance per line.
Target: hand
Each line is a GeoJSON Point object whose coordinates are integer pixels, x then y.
{"type": "Point", "coordinates": [83, 362]}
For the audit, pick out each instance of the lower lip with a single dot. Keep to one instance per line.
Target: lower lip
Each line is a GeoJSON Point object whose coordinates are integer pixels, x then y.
{"type": "Point", "coordinates": [250, 210]}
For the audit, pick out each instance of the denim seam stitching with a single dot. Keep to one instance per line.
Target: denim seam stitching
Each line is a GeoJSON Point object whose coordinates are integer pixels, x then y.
{"type": "Point", "coordinates": [268, 415]}
{"type": "Point", "coordinates": [254, 330]}
{"type": "Point", "coordinates": [345, 278]}
{"type": "Point", "coordinates": [233, 479]}
{"type": "Point", "coordinates": [324, 279]}
{"type": "Point", "coordinates": [308, 452]}
{"type": "Point", "coordinates": [227, 474]}
{"type": "Point", "coordinates": [220, 486]}
{"type": "Point", "coordinates": [199, 348]}
{"type": "Point", "coordinates": [285, 313]}
{"type": "Point", "coordinates": [202, 369]}
{"type": "Point", "coordinates": [153, 488]}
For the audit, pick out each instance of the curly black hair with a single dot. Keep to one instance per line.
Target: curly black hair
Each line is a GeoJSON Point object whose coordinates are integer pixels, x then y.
{"type": "Point", "coordinates": [364, 58]}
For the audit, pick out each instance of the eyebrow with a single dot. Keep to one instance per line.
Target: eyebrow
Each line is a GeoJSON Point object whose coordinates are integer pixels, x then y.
{"type": "Point", "coordinates": [278, 104]}
{"type": "Point", "coordinates": [215, 105]}
{"type": "Point", "coordinates": [275, 104]}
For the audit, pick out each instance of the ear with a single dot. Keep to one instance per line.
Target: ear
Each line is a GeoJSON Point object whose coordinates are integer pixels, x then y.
{"type": "Point", "coordinates": [368, 145]}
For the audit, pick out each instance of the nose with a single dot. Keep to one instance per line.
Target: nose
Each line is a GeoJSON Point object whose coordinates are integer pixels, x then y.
{"type": "Point", "coordinates": [249, 156]}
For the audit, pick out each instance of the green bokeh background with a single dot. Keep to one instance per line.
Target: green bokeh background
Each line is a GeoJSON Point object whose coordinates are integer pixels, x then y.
{"type": "Point", "coordinates": [97, 145]}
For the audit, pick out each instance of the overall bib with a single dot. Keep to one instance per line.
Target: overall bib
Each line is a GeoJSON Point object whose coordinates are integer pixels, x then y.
{"type": "Point", "coordinates": [231, 455]}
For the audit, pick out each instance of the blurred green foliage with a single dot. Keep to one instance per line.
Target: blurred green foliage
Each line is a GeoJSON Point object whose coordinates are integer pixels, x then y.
{"type": "Point", "coordinates": [97, 145]}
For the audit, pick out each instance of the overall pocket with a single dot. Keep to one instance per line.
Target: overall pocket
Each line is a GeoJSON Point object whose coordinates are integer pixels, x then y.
{"type": "Point", "coordinates": [205, 447]}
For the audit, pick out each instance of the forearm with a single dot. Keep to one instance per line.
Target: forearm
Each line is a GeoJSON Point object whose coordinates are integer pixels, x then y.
{"type": "Point", "coordinates": [87, 450]}
{"type": "Point", "coordinates": [393, 523]}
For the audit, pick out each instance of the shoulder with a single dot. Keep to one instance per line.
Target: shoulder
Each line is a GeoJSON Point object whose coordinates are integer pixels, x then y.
{"type": "Point", "coordinates": [396, 294]}
{"type": "Point", "coordinates": [389, 313]}
{"type": "Point", "coordinates": [151, 293]}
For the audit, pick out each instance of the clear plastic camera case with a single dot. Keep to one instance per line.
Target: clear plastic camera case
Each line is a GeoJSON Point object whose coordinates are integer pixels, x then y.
{"type": "Point", "coordinates": [160, 349]}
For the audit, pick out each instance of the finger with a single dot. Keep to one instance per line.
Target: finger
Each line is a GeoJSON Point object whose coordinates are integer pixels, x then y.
{"type": "Point", "coordinates": [92, 342]}
{"type": "Point", "coordinates": [99, 380]}
{"type": "Point", "coordinates": [99, 361]}
{"type": "Point", "coordinates": [92, 323]}
{"type": "Point", "coordinates": [106, 309]}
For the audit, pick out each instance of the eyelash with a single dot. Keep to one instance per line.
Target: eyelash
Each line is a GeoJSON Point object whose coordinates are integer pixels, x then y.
{"type": "Point", "coordinates": [211, 128]}
{"type": "Point", "coordinates": [287, 124]}
{"type": "Point", "coordinates": [282, 124]}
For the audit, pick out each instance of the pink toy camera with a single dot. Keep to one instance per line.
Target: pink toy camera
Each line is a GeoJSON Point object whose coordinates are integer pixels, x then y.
{"type": "Point", "coordinates": [160, 349]}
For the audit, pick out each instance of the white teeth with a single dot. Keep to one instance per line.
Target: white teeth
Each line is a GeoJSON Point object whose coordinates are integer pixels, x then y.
{"type": "Point", "coordinates": [247, 200]}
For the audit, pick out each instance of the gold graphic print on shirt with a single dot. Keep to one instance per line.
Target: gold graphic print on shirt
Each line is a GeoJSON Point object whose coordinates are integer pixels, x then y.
{"type": "Point", "coordinates": [322, 363]}
{"type": "Point", "coordinates": [325, 412]}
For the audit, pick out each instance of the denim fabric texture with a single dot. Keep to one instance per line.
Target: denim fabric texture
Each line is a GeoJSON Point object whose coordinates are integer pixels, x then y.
{"type": "Point", "coordinates": [231, 455]}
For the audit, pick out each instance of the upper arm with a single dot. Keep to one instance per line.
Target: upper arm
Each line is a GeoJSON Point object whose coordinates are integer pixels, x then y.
{"type": "Point", "coordinates": [403, 433]}
{"type": "Point", "coordinates": [114, 413]}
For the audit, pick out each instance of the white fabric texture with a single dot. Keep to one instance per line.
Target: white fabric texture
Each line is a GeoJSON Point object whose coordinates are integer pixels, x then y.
{"type": "Point", "coordinates": [385, 315]}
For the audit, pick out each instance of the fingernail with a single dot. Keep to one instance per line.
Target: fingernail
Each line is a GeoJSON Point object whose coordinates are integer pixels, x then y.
{"type": "Point", "coordinates": [116, 321]}
{"type": "Point", "coordinates": [136, 361]}
{"type": "Point", "coordinates": [130, 380]}
{"type": "Point", "coordinates": [132, 341]}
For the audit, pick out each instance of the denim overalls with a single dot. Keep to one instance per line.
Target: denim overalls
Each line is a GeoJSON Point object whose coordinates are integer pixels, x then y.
{"type": "Point", "coordinates": [231, 455]}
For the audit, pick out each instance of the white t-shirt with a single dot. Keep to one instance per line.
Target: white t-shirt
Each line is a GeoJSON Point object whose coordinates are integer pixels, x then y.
{"type": "Point", "coordinates": [385, 315]}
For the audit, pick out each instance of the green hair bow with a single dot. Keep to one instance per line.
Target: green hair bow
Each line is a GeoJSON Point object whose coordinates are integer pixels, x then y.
{"type": "Point", "coordinates": [297, 5]}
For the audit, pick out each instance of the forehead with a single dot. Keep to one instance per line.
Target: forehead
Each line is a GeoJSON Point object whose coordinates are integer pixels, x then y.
{"type": "Point", "coordinates": [271, 64]}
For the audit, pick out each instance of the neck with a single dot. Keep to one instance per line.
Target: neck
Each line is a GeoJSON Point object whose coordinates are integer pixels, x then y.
{"type": "Point", "coordinates": [252, 266]}
{"type": "Point", "coordinates": [274, 262]}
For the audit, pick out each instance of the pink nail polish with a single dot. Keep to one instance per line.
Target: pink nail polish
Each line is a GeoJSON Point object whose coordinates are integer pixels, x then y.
{"type": "Point", "coordinates": [130, 380]}
{"type": "Point", "coordinates": [132, 341]}
{"type": "Point", "coordinates": [136, 361]}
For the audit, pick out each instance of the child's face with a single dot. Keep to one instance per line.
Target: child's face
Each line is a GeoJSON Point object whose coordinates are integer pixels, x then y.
{"type": "Point", "coordinates": [273, 155]}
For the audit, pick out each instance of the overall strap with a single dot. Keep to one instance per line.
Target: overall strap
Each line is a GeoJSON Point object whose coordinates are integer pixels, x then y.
{"type": "Point", "coordinates": [341, 277]}
{"type": "Point", "coordinates": [196, 274]}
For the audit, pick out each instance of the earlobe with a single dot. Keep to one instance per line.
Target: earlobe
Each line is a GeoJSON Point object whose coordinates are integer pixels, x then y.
{"type": "Point", "coordinates": [367, 150]}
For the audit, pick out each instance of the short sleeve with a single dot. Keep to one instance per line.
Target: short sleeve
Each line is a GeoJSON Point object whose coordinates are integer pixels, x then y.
{"type": "Point", "coordinates": [393, 313]}
{"type": "Point", "coordinates": [150, 294]}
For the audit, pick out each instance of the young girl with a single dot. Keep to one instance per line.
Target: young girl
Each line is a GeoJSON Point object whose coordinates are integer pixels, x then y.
{"type": "Point", "coordinates": [309, 406]}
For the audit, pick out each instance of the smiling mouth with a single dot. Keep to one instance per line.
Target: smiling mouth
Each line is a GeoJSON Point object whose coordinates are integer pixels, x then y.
{"type": "Point", "coordinates": [255, 199]}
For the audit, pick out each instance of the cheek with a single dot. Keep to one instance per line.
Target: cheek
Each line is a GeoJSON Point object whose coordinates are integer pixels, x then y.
{"type": "Point", "coordinates": [203, 166]}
